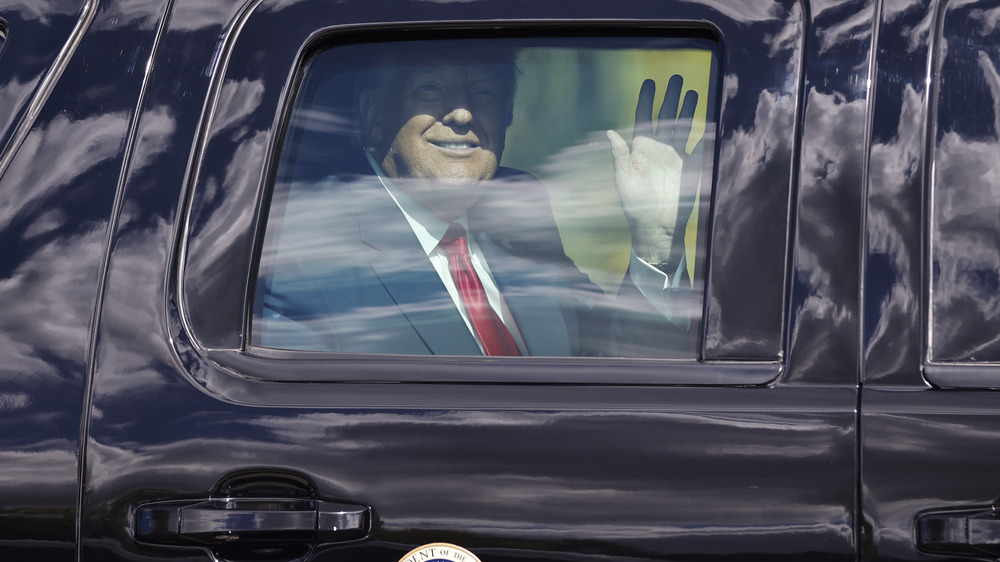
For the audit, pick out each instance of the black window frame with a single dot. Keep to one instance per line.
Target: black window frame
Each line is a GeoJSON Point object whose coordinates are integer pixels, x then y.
{"type": "Point", "coordinates": [201, 330]}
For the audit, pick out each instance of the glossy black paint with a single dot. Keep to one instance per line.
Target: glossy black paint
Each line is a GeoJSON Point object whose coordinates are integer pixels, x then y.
{"type": "Point", "coordinates": [55, 225]}
{"type": "Point", "coordinates": [925, 447]}
{"type": "Point", "coordinates": [150, 149]}
{"type": "Point", "coordinates": [545, 471]}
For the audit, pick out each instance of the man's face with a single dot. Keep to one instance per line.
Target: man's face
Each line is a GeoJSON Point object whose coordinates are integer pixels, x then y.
{"type": "Point", "coordinates": [446, 134]}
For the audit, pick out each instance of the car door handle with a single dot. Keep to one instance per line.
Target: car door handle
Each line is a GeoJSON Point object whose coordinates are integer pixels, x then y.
{"type": "Point", "coordinates": [971, 532]}
{"type": "Point", "coordinates": [249, 520]}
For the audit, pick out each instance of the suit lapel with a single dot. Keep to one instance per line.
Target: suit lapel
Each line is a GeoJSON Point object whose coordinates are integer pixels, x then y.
{"type": "Point", "coordinates": [532, 292]}
{"type": "Point", "coordinates": [406, 274]}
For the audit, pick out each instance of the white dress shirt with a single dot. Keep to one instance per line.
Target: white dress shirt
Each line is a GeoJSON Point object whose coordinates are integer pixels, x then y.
{"type": "Point", "coordinates": [429, 229]}
{"type": "Point", "coordinates": [654, 284]}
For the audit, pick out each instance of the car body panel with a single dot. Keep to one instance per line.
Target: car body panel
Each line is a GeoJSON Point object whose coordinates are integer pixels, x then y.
{"type": "Point", "coordinates": [60, 63]}
{"type": "Point", "coordinates": [509, 470]}
{"type": "Point", "coordinates": [815, 424]}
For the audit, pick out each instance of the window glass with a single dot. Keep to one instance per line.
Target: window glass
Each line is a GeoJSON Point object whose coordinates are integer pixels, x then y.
{"type": "Point", "coordinates": [497, 197]}
{"type": "Point", "coordinates": [965, 234]}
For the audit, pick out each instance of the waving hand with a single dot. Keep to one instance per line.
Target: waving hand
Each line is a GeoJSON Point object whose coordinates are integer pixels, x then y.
{"type": "Point", "coordinates": [649, 176]}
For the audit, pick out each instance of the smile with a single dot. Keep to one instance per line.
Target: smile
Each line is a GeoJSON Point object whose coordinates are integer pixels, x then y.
{"type": "Point", "coordinates": [455, 145]}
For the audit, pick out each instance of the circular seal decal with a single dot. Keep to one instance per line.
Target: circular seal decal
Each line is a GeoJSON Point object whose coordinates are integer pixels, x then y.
{"type": "Point", "coordinates": [439, 552]}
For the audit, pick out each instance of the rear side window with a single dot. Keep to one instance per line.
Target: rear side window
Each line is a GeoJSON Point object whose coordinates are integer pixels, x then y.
{"type": "Point", "coordinates": [965, 203]}
{"type": "Point", "coordinates": [493, 197]}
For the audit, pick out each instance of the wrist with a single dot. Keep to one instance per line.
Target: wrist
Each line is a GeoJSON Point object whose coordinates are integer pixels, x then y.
{"type": "Point", "coordinates": [653, 247]}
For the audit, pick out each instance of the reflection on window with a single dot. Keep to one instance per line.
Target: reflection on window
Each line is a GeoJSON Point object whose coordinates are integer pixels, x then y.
{"type": "Point", "coordinates": [965, 239]}
{"type": "Point", "coordinates": [496, 197]}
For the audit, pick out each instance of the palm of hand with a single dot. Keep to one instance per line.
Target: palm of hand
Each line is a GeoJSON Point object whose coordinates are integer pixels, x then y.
{"type": "Point", "coordinates": [649, 176]}
{"type": "Point", "coordinates": [648, 179]}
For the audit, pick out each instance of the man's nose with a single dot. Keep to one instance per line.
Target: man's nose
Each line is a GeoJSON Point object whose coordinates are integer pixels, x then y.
{"type": "Point", "coordinates": [460, 115]}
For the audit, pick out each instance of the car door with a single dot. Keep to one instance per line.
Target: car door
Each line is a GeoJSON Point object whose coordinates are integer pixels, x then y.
{"type": "Point", "coordinates": [929, 411]}
{"type": "Point", "coordinates": [60, 154]}
{"type": "Point", "coordinates": [205, 445]}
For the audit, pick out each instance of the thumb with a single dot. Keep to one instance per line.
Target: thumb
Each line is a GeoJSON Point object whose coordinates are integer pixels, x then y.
{"type": "Point", "coordinates": [619, 151]}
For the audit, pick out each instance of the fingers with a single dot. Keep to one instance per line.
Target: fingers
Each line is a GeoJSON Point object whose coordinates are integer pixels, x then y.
{"type": "Point", "coordinates": [685, 204]}
{"type": "Point", "coordinates": [673, 126]}
{"type": "Point", "coordinates": [690, 103]}
{"type": "Point", "coordinates": [685, 120]}
{"type": "Point", "coordinates": [668, 111]}
{"type": "Point", "coordinates": [644, 109]}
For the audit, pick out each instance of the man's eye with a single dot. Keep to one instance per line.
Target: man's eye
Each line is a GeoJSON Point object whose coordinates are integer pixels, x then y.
{"type": "Point", "coordinates": [429, 90]}
{"type": "Point", "coordinates": [485, 93]}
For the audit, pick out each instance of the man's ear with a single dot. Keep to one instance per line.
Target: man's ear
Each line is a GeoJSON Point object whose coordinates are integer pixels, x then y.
{"type": "Point", "coordinates": [371, 116]}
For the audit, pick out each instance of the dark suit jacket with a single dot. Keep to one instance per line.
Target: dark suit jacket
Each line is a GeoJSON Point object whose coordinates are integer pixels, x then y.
{"type": "Point", "coordinates": [344, 272]}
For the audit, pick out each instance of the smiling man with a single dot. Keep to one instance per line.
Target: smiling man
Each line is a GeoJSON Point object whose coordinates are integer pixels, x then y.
{"type": "Point", "coordinates": [438, 249]}
{"type": "Point", "coordinates": [438, 127]}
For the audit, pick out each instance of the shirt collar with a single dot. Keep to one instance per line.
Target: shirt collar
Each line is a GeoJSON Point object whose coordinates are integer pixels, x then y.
{"type": "Point", "coordinates": [428, 227]}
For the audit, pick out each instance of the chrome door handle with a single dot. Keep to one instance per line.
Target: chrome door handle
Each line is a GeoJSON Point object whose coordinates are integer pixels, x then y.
{"type": "Point", "coordinates": [225, 520]}
{"type": "Point", "coordinates": [968, 532]}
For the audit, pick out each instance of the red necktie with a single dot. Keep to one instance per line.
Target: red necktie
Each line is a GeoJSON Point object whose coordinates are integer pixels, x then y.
{"type": "Point", "coordinates": [494, 336]}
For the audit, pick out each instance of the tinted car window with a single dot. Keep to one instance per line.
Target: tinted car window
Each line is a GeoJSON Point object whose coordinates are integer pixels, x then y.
{"type": "Point", "coordinates": [965, 221]}
{"type": "Point", "coordinates": [581, 233]}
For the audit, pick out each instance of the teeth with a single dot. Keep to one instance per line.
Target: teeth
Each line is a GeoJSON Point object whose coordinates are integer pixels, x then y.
{"type": "Point", "coordinates": [459, 145]}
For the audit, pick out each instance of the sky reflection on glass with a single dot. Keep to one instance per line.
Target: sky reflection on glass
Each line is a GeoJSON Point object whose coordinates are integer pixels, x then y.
{"type": "Point", "coordinates": [562, 220]}
{"type": "Point", "coordinates": [966, 225]}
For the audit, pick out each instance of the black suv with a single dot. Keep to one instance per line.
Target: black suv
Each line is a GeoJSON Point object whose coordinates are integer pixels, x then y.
{"type": "Point", "coordinates": [209, 352]}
